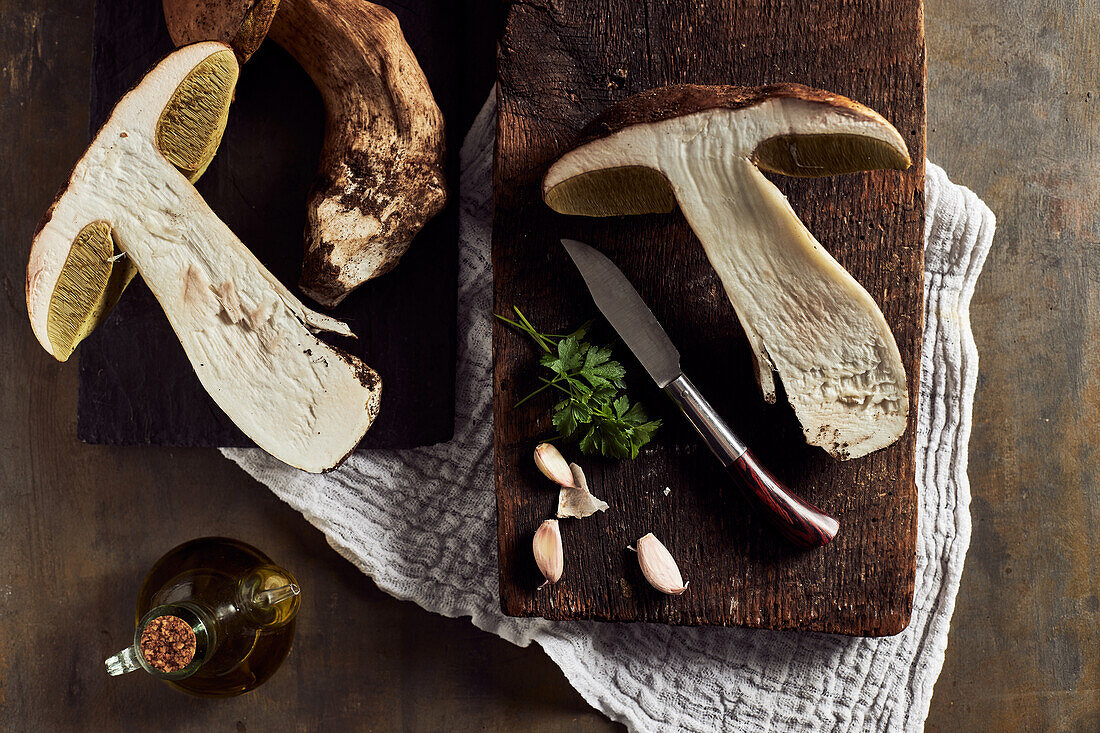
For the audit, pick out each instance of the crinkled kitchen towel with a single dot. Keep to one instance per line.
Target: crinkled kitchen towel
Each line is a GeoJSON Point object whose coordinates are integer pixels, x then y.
{"type": "Point", "coordinates": [422, 524]}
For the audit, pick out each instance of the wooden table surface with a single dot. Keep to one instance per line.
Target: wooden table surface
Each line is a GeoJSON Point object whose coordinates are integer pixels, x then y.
{"type": "Point", "coordinates": [1012, 113]}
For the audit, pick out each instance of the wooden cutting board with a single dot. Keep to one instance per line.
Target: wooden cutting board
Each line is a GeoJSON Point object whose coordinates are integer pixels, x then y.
{"type": "Point", "coordinates": [136, 385]}
{"type": "Point", "coordinates": [562, 62]}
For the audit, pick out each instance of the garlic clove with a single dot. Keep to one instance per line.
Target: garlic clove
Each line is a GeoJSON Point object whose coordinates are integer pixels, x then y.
{"type": "Point", "coordinates": [553, 464]}
{"type": "Point", "coordinates": [576, 501]}
{"type": "Point", "coordinates": [548, 551]}
{"type": "Point", "coordinates": [658, 567]}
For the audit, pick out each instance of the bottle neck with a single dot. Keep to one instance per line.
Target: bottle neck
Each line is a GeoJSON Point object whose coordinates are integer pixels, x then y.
{"type": "Point", "coordinates": [268, 597]}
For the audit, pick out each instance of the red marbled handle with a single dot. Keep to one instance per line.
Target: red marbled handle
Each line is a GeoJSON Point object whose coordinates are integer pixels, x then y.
{"type": "Point", "coordinates": [803, 524]}
{"type": "Point", "coordinates": [800, 522]}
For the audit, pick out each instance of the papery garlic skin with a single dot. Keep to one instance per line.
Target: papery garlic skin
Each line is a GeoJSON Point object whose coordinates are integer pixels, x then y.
{"type": "Point", "coordinates": [658, 566]}
{"type": "Point", "coordinates": [553, 465]}
{"type": "Point", "coordinates": [576, 501]}
{"type": "Point", "coordinates": [580, 481]}
{"type": "Point", "coordinates": [548, 552]}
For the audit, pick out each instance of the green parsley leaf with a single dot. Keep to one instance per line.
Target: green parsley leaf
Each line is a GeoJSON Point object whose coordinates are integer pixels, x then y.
{"type": "Point", "coordinates": [592, 408]}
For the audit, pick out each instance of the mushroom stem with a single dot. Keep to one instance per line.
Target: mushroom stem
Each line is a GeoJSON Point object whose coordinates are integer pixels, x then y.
{"type": "Point", "coordinates": [805, 317]}
{"type": "Point", "coordinates": [381, 176]}
{"type": "Point", "coordinates": [794, 300]}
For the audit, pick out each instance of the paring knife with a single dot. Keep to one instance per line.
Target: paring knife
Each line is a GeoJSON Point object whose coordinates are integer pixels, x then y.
{"type": "Point", "coordinates": [800, 522]}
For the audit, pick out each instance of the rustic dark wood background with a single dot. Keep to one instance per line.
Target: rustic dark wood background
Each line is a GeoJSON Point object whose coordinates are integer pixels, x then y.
{"type": "Point", "coordinates": [1012, 112]}
{"type": "Point", "coordinates": [258, 185]}
{"type": "Point", "coordinates": [559, 67]}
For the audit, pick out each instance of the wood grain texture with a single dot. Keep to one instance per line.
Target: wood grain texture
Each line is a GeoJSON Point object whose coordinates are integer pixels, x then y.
{"type": "Point", "coordinates": [1014, 113]}
{"type": "Point", "coordinates": [258, 184]}
{"type": "Point", "coordinates": [560, 63]}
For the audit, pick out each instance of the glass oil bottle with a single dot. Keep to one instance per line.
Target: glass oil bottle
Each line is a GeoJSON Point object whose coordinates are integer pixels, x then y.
{"type": "Point", "coordinates": [231, 612]}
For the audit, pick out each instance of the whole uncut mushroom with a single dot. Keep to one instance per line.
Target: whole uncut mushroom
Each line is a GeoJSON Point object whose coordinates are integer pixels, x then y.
{"type": "Point", "coordinates": [702, 148]}
{"type": "Point", "coordinates": [381, 173]}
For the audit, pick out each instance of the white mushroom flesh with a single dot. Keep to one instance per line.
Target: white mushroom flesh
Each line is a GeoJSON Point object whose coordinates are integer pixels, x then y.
{"type": "Point", "coordinates": [805, 316]}
{"type": "Point", "coordinates": [248, 338]}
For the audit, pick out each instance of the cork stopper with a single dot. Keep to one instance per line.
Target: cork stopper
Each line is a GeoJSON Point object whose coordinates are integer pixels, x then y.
{"type": "Point", "coordinates": [168, 643]}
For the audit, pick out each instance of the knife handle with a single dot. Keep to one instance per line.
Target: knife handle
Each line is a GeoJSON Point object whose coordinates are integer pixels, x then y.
{"type": "Point", "coordinates": [800, 522]}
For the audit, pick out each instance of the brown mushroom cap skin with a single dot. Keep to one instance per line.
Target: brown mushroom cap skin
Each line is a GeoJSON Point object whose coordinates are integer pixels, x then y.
{"type": "Point", "coordinates": [243, 24]}
{"type": "Point", "coordinates": [677, 100]}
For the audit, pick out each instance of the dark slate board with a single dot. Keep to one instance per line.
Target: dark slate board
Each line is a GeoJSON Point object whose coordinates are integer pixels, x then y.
{"type": "Point", "coordinates": [560, 64]}
{"type": "Point", "coordinates": [136, 385]}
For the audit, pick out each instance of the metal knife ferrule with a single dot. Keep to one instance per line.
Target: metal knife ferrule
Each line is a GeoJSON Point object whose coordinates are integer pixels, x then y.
{"type": "Point", "coordinates": [722, 442]}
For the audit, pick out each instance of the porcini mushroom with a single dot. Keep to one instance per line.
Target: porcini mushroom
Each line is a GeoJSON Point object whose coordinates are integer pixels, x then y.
{"type": "Point", "coordinates": [381, 173]}
{"type": "Point", "coordinates": [249, 339]}
{"type": "Point", "coordinates": [805, 316]}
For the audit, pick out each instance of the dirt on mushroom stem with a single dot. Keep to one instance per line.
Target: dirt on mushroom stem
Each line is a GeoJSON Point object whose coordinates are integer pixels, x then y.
{"type": "Point", "coordinates": [381, 174]}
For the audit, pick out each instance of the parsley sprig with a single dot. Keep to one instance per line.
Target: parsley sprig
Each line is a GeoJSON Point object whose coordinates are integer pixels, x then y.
{"type": "Point", "coordinates": [594, 410]}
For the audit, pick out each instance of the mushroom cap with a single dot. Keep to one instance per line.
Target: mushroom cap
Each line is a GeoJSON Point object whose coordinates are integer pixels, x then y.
{"type": "Point", "coordinates": [242, 24]}
{"type": "Point", "coordinates": [72, 279]}
{"type": "Point", "coordinates": [790, 129]}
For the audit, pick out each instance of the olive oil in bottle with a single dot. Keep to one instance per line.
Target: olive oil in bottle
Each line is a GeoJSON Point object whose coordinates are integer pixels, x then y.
{"type": "Point", "coordinates": [215, 617]}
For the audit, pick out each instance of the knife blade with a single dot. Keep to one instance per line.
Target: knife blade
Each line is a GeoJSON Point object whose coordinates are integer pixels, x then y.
{"type": "Point", "coordinates": [798, 521]}
{"type": "Point", "coordinates": [626, 312]}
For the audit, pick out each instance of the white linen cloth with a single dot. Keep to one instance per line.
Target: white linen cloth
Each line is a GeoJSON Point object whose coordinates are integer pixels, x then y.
{"type": "Point", "coordinates": [422, 524]}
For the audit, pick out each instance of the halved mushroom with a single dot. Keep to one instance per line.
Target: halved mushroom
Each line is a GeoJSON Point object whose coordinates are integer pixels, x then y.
{"type": "Point", "coordinates": [805, 316]}
{"type": "Point", "coordinates": [92, 280]}
{"type": "Point", "coordinates": [381, 173]}
{"type": "Point", "coordinates": [249, 339]}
